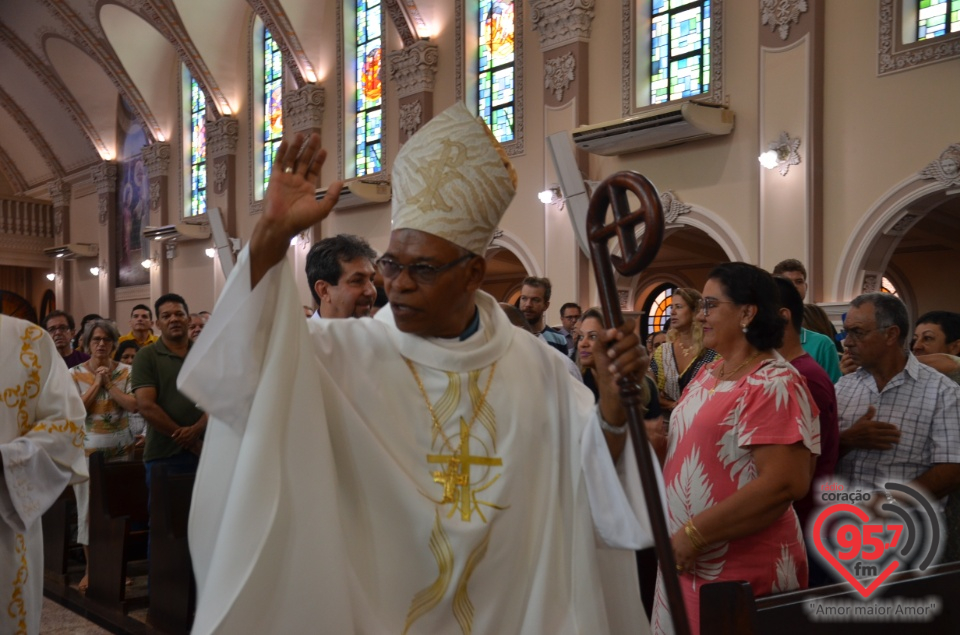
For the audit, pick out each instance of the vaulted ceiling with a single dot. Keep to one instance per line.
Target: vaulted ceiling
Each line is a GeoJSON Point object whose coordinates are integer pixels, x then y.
{"type": "Point", "coordinates": [65, 64]}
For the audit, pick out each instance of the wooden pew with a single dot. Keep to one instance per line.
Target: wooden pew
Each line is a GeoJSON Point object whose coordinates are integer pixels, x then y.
{"type": "Point", "coordinates": [729, 608]}
{"type": "Point", "coordinates": [57, 535]}
{"type": "Point", "coordinates": [173, 592]}
{"type": "Point", "coordinates": [118, 527]}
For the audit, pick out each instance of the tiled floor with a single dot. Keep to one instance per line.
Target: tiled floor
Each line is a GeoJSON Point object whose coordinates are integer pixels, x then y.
{"type": "Point", "coordinates": [56, 620]}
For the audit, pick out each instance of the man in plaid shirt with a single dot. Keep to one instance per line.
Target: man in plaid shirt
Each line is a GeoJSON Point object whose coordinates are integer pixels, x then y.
{"type": "Point", "coordinates": [899, 419]}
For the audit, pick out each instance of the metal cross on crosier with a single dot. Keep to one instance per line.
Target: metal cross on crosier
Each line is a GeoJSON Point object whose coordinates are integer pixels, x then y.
{"type": "Point", "coordinates": [634, 257]}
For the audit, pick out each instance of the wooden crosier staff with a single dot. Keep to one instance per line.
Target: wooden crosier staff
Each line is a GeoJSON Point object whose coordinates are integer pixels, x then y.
{"type": "Point", "coordinates": [613, 192]}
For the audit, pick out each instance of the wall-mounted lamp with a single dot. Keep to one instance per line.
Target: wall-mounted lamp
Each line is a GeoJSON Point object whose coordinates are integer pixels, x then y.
{"type": "Point", "coordinates": [781, 154]}
{"type": "Point", "coordinates": [147, 263]}
{"type": "Point", "coordinates": [95, 271]}
{"type": "Point", "coordinates": [210, 251]}
{"type": "Point", "coordinates": [51, 276]}
{"type": "Point", "coordinates": [551, 195]}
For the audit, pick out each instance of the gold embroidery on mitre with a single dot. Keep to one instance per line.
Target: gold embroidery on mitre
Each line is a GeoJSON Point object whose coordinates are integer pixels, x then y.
{"type": "Point", "coordinates": [427, 599]}
{"type": "Point", "coordinates": [452, 180]}
{"type": "Point", "coordinates": [462, 606]}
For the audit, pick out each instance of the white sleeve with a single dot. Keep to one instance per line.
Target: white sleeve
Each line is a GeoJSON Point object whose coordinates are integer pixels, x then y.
{"type": "Point", "coordinates": [223, 368]}
{"type": "Point", "coordinates": [38, 465]}
{"type": "Point", "coordinates": [616, 495]}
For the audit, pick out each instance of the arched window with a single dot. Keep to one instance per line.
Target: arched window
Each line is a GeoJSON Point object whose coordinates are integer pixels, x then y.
{"type": "Point", "coordinates": [937, 17]}
{"type": "Point", "coordinates": [887, 286]}
{"type": "Point", "coordinates": [198, 150]}
{"type": "Point", "coordinates": [272, 122]}
{"type": "Point", "coordinates": [656, 309]}
{"type": "Point", "coordinates": [368, 49]}
{"type": "Point", "coordinates": [679, 49]}
{"type": "Point", "coordinates": [496, 67]}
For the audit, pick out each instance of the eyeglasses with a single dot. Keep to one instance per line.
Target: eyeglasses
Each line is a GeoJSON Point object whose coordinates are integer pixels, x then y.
{"type": "Point", "coordinates": [100, 340]}
{"type": "Point", "coordinates": [419, 272]}
{"type": "Point", "coordinates": [709, 305]}
{"type": "Point", "coordinates": [58, 329]}
{"type": "Point", "coordinates": [857, 334]}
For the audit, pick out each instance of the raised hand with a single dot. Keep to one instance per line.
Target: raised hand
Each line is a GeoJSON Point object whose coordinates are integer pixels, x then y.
{"type": "Point", "coordinates": [290, 205]}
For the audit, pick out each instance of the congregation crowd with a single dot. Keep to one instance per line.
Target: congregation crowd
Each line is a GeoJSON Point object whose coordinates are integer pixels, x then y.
{"type": "Point", "coordinates": [752, 402]}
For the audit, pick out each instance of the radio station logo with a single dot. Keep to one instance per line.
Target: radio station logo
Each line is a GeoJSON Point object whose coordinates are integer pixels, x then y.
{"type": "Point", "coordinates": [867, 536]}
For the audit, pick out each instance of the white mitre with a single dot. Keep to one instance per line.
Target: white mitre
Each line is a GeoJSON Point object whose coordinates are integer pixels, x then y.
{"type": "Point", "coordinates": [453, 180]}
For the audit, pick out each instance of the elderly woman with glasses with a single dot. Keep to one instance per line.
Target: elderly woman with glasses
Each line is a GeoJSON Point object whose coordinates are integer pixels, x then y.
{"type": "Point", "coordinates": [104, 386]}
{"type": "Point", "coordinates": [741, 449]}
{"type": "Point", "coordinates": [675, 363]}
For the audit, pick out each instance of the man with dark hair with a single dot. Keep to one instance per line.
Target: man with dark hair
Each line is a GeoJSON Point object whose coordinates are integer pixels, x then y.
{"type": "Point", "coordinates": [819, 346]}
{"type": "Point", "coordinates": [899, 419]}
{"type": "Point", "coordinates": [141, 326]}
{"type": "Point", "coordinates": [794, 271]}
{"type": "Point", "coordinates": [340, 272]}
{"type": "Point", "coordinates": [569, 316]}
{"type": "Point", "coordinates": [60, 326]}
{"type": "Point", "coordinates": [176, 425]}
{"type": "Point", "coordinates": [534, 302]}
{"type": "Point", "coordinates": [821, 388]}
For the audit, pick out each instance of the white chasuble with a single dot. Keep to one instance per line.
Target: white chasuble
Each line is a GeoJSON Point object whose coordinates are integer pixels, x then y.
{"type": "Point", "coordinates": [356, 479]}
{"type": "Point", "coordinates": [41, 448]}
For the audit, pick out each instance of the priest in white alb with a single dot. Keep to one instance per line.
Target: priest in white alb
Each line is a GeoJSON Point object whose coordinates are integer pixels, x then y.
{"type": "Point", "coordinates": [430, 470]}
{"type": "Point", "coordinates": [41, 451]}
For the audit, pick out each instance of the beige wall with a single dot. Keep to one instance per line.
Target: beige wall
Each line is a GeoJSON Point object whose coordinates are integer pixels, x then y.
{"type": "Point", "coordinates": [878, 131]}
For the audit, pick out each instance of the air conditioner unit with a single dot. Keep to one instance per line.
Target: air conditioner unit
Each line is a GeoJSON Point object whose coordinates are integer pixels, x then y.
{"type": "Point", "coordinates": [359, 192]}
{"type": "Point", "coordinates": [180, 231]}
{"type": "Point", "coordinates": [71, 251]}
{"type": "Point", "coordinates": [657, 128]}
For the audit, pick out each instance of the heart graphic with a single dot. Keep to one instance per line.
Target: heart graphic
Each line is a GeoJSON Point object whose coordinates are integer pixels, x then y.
{"type": "Point", "coordinates": [867, 591]}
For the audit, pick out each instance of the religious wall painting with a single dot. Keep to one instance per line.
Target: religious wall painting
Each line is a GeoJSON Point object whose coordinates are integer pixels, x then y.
{"type": "Point", "coordinates": [133, 200]}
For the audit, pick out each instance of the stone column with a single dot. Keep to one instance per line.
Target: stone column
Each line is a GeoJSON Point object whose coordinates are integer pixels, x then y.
{"type": "Point", "coordinates": [303, 113]}
{"type": "Point", "coordinates": [791, 36]}
{"type": "Point", "coordinates": [564, 29]}
{"type": "Point", "coordinates": [60, 197]}
{"type": "Point", "coordinates": [105, 179]}
{"type": "Point", "coordinates": [303, 110]}
{"type": "Point", "coordinates": [222, 136]}
{"type": "Point", "coordinates": [156, 158]}
{"type": "Point", "coordinates": [413, 69]}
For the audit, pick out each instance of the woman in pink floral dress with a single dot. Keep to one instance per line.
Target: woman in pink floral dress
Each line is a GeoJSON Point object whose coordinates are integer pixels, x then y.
{"type": "Point", "coordinates": [741, 448]}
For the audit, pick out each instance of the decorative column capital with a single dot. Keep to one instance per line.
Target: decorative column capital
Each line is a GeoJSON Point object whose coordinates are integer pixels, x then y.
{"type": "Point", "coordinates": [303, 108]}
{"type": "Point", "coordinates": [156, 158]}
{"type": "Point", "coordinates": [414, 67]}
{"type": "Point", "coordinates": [105, 177]}
{"type": "Point", "coordinates": [222, 137]}
{"type": "Point", "coordinates": [562, 22]}
{"type": "Point", "coordinates": [59, 193]}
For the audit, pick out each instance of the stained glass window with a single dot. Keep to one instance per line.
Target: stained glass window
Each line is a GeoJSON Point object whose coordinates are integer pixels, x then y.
{"type": "Point", "coordinates": [937, 17]}
{"type": "Point", "coordinates": [680, 49]}
{"type": "Point", "coordinates": [198, 150]}
{"type": "Point", "coordinates": [496, 67]}
{"type": "Point", "coordinates": [886, 286]}
{"type": "Point", "coordinates": [658, 308]}
{"type": "Point", "coordinates": [369, 58]}
{"type": "Point", "coordinates": [272, 102]}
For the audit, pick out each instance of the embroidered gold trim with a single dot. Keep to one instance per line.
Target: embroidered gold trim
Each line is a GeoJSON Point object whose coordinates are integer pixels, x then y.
{"type": "Point", "coordinates": [478, 400]}
{"type": "Point", "coordinates": [17, 608]}
{"type": "Point", "coordinates": [462, 606]}
{"type": "Point", "coordinates": [447, 404]}
{"type": "Point", "coordinates": [427, 599]}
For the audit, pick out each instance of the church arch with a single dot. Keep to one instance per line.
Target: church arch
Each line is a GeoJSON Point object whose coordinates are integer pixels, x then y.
{"type": "Point", "coordinates": [867, 255]}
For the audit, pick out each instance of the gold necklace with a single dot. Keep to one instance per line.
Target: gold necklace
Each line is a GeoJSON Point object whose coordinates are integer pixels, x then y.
{"type": "Point", "coordinates": [736, 370]}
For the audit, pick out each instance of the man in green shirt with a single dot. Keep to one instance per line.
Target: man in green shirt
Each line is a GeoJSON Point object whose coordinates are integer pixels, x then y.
{"type": "Point", "coordinates": [176, 425]}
